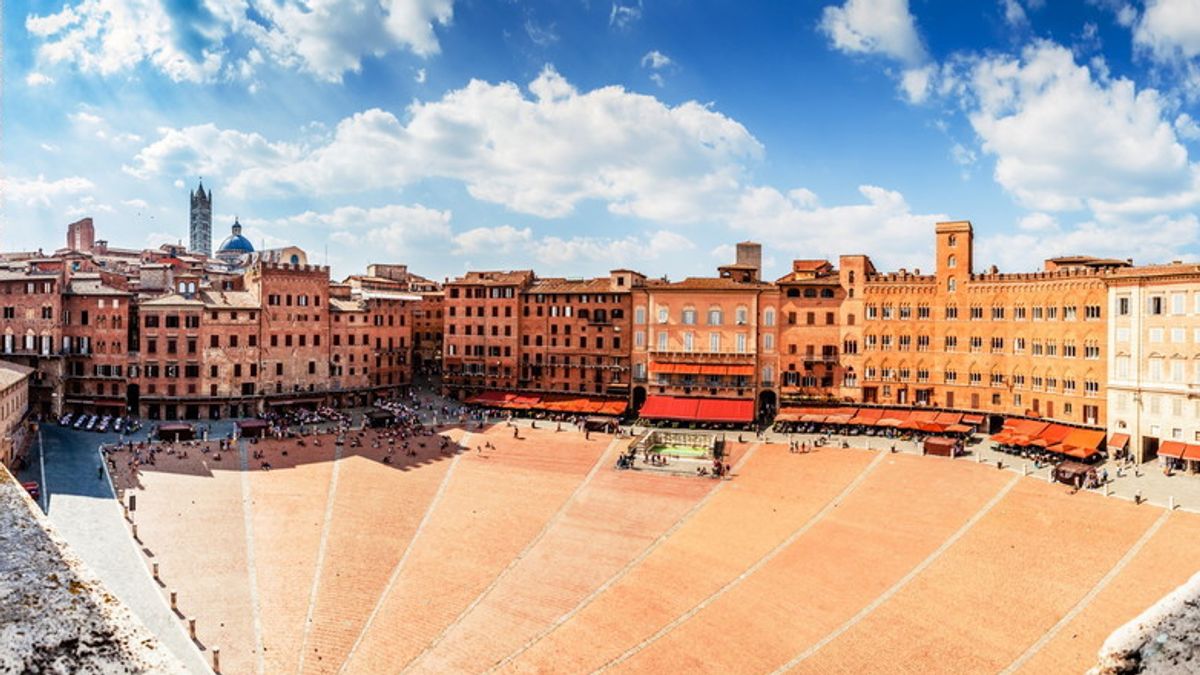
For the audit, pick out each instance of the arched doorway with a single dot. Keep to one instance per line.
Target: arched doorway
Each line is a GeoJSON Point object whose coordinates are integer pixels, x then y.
{"type": "Point", "coordinates": [766, 405]}
{"type": "Point", "coordinates": [639, 397]}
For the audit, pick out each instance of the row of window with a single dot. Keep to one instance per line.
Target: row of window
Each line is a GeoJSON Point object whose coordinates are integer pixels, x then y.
{"type": "Point", "coordinates": [975, 345]}
{"type": "Point", "coordinates": [923, 312]}
{"type": "Point", "coordinates": [715, 342]}
{"type": "Point", "coordinates": [1175, 304]}
{"type": "Point", "coordinates": [10, 312]}
{"type": "Point", "coordinates": [1161, 369]}
{"type": "Point", "coordinates": [1158, 335]}
{"type": "Point", "coordinates": [276, 300]}
{"type": "Point", "coordinates": [975, 378]}
{"type": "Point", "coordinates": [715, 317]}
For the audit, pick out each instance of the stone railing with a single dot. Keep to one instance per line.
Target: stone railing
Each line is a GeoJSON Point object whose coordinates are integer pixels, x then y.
{"type": "Point", "coordinates": [56, 617]}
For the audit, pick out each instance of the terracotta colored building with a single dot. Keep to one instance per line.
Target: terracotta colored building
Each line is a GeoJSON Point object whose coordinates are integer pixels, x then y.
{"type": "Point", "coordinates": [708, 338]}
{"type": "Point", "coordinates": [574, 335]}
{"type": "Point", "coordinates": [482, 344]}
{"type": "Point", "coordinates": [14, 412]}
{"type": "Point", "coordinates": [810, 331]}
{"type": "Point", "coordinates": [1030, 344]}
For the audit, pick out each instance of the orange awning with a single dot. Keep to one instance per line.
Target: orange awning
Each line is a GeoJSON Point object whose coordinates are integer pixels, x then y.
{"type": "Point", "coordinates": [925, 415]}
{"type": "Point", "coordinates": [1192, 453]}
{"type": "Point", "coordinates": [1172, 449]}
{"type": "Point", "coordinates": [867, 416]}
{"type": "Point", "coordinates": [972, 419]}
{"type": "Point", "coordinates": [1055, 433]}
{"type": "Point", "coordinates": [1079, 453]}
{"type": "Point", "coordinates": [948, 418]}
{"type": "Point", "coordinates": [1118, 442]}
{"type": "Point", "coordinates": [714, 370]}
{"type": "Point", "coordinates": [741, 370]}
{"type": "Point", "coordinates": [1084, 438]}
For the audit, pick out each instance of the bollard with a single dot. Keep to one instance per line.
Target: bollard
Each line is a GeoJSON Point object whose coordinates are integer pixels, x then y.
{"type": "Point", "coordinates": [216, 659]}
{"type": "Point", "coordinates": [1107, 490]}
{"type": "Point", "coordinates": [154, 566]}
{"type": "Point", "coordinates": [1171, 503]}
{"type": "Point", "coordinates": [192, 628]}
{"type": "Point", "coordinates": [174, 601]}
{"type": "Point", "coordinates": [1024, 468]}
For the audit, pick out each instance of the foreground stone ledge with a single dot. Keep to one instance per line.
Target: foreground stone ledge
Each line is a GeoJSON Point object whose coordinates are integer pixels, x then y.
{"type": "Point", "coordinates": [1163, 639]}
{"type": "Point", "coordinates": [55, 615]}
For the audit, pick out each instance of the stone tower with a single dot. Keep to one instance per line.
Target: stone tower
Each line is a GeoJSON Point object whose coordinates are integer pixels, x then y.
{"type": "Point", "coordinates": [200, 226]}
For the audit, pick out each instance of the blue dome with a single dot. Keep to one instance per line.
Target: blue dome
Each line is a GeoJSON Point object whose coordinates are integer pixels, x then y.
{"type": "Point", "coordinates": [236, 243]}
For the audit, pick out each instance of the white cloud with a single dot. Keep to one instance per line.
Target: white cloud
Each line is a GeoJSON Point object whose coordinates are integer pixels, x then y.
{"type": "Point", "coordinates": [1065, 137]}
{"type": "Point", "coordinates": [1037, 222]}
{"type": "Point", "coordinates": [492, 240]}
{"type": "Point", "coordinates": [140, 204]}
{"type": "Point", "coordinates": [209, 151]}
{"type": "Point", "coordinates": [1186, 127]}
{"type": "Point", "coordinates": [622, 15]}
{"type": "Point", "coordinates": [656, 60]}
{"type": "Point", "coordinates": [1169, 29]}
{"type": "Point", "coordinates": [395, 229]}
{"type": "Point", "coordinates": [884, 27]}
{"type": "Point", "coordinates": [41, 192]}
{"type": "Point", "coordinates": [419, 78]}
{"type": "Point", "coordinates": [804, 227]}
{"type": "Point", "coordinates": [36, 79]}
{"type": "Point", "coordinates": [1014, 14]}
{"type": "Point", "coordinates": [541, 154]}
{"type": "Point", "coordinates": [556, 251]}
{"type": "Point", "coordinates": [1154, 239]}
{"type": "Point", "coordinates": [326, 38]}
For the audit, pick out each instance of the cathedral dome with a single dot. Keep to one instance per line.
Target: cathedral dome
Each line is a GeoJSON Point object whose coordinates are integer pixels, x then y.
{"type": "Point", "coordinates": [236, 244]}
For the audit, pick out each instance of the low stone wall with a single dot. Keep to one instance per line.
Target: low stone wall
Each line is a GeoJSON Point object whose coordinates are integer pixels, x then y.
{"type": "Point", "coordinates": [55, 615]}
{"type": "Point", "coordinates": [1163, 639]}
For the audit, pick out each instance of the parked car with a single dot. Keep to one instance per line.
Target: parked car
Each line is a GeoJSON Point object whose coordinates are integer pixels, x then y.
{"type": "Point", "coordinates": [65, 420]}
{"type": "Point", "coordinates": [33, 489]}
{"type": "Point", "coordinates": [92, 422]}
{"type": "Point", "coordinates": [118, 424]}
{"type": "Point", "coordinates": [80, 421]}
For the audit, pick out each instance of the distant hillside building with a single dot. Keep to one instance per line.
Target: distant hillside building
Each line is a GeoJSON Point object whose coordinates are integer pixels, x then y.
{"type": "Point", "coordinates": [200, 225]}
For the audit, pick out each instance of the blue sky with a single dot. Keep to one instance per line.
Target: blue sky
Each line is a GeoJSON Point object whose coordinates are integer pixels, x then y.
{"type": "Point", "coordinates": [578, 136]}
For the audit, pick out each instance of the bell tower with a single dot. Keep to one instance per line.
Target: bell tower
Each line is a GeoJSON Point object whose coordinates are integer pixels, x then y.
{"type": "Point", "coordinates": [200, 224]}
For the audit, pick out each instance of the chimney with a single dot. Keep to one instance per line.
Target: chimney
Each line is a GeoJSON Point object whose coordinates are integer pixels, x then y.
{"type": "Point", "coordinates": [750, 253]}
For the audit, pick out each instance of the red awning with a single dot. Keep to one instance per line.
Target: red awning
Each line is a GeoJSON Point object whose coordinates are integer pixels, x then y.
{"type": "Point", "coordinates": [1192, 453]}
{"type": "Point", "coordinates": [867, 416]}
{"type": "Point", "coordinates": [252, 424]}
{"type": "Point", "coordinates": [1088, 439]}
{"type": "Point", "coordinates": [893, 418]}
{"type": "Point", "coordinates": [925, 415]}
{"type": "Point", "coordinates": [742, 370]}
{"type": "Point", "coordinates": [1030, 428]}
{"type": "Point", "coordinates": [1117, 442]}
{"type": "Point", "coordinates": [1079, 453]}
{"type": "Point", "coordinates": [714, 370]}
{"type": "Point", "coordinates": [948, 418]}
{"type": "Point", "coordinates": [958, 429]}
{"type": "Point", "coordinates": [972, 419]}
{"type": "Point", "coordinates": [725, 410]}
{"type": "Point", "coordinates": [1172, 449]}
{"type": "Point", "coordinates": [1055, 433]}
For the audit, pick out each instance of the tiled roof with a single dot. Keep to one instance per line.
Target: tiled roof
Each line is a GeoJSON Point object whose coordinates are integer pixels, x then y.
{"type": "Point", "coordinates": [560, 285]}
{"type": "Point", "coordinates": [91, 286]}
{"type": "Point", "coordinates": [12, 372]}
{"type": "Point", "coordinates": [344, 305]}
{"type": "Point", "coordinates": [172, 300]}
{"type": "Point", "coordinates": [495, 278]}
{"type": "Point", "coordinates": [231, 299]}
{"type": "Point", "coordinates": [707, 284]}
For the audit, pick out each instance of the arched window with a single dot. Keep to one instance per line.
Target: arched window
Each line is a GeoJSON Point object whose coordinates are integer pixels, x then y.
{"type": "Point", "coordinates": [715, 316]}
{"type": "Point", "coordinates": [769, 316]}
{"type": "Point", "coordinates": [951, 285]}
{"type": "Point", "coordinates": [793, 292]}
{"type": "Point", "coordinates": [826, 292]}
{"type": "Point", "coordinates": [952, 261]}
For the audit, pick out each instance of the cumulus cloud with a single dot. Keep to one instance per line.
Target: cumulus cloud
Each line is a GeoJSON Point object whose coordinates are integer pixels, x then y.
{"type": "Point", "coordinates": [883, 27]}
{"type": "Point", "coordinates": [396, 229]}
{"type": "Point", "coordinates": [1169, 29]}
{"type": "Point", "coordinates": [539, 154]}
{"type": "Point", "coordinates": [36, 79]}
{"type": "Point", "coordinates": [1065, 137]}
{"type": "Point", "coordinates": [798, 224]}
{"type": "Point", "coordinates": [501, 239]}
{"type": "Point", "coordinates": [42, 192]}
{"type": "Point", "coordinates": [226, 39]}
{"type": "Point", "coordinates": [557, 251]}
{"type": "Point", "coordinates": [210, 151]}
{"type": "Point", "coordinates": [1153, 239]}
